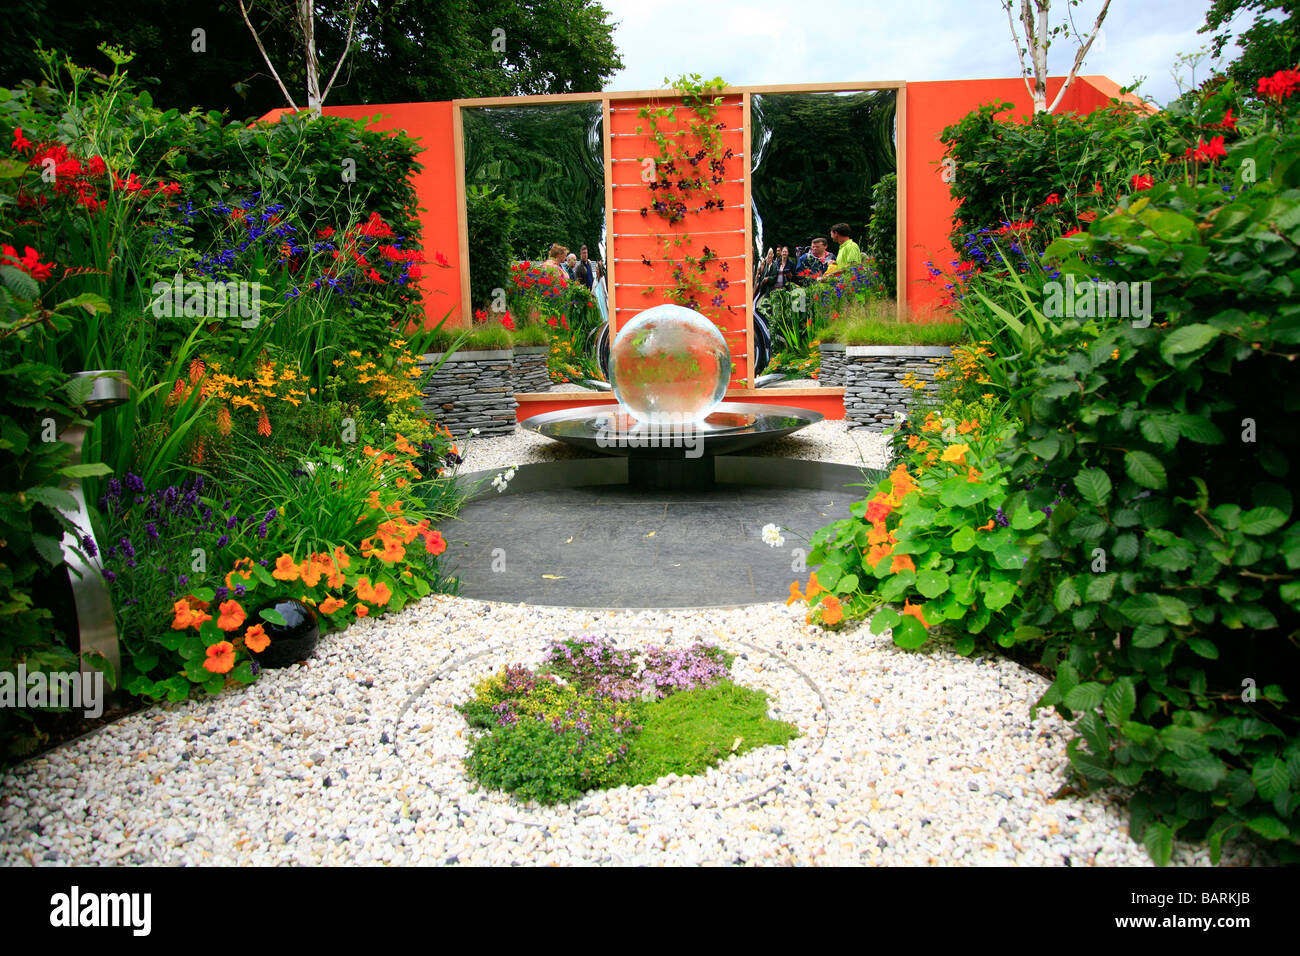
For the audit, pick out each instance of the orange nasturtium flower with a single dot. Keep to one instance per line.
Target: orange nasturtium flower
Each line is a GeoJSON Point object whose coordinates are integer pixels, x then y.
{"type": "Point", "coordinates": [434, 543]}
{"type": "Point", "coordinates": [362, 610]}
{"type": "Point", "coordinates": [331, 604]}
{"type": "Point", "coordinates": [232, 616]}
{"type": "Point", "coordinates": [286, 569]}
{"type": "Point", "coordinates": [832, 611]}
{"type": "Point", "coordinates": [879, 552]}
{"type": "Point", "coordinates": [255, 639]}
{"type": "Point", "coordinates": [915, 611]}
{"type": "Point", "coordinates": [901, 482]}
{"type": "Point", "coordinates": [902, 562]}
{"type": "Point", "coordinates": [814, 587]}
{"type": "Point", "coordinates": [183, 615]}
{"type": "Point", "coordinates": [956, 453]}
{"type": "Point", "coordinates": [795, 594]}
{"type": "Point", "coordinates": [310, 571]}
{"type": "Point", "coordinates": [220, 658]}
{"type": "Point", "coordinates": [341, 557]}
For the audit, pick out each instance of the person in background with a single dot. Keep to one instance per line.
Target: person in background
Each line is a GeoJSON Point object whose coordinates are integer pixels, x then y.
{"type": "Point", "coordinates": [785, 270]}
{"type": "Point", "coordinates": [555, 260]}
{"type": "Point", "coordinates": [584, 271]}
{"type": "Point", "coordinates": [814, 262]}
{"type": "Point", "coordinates": [598, 290]}
{"type": "Point", "coordinates": [570, 264]}
{"type": "Point", "coordinates": [849, 254]}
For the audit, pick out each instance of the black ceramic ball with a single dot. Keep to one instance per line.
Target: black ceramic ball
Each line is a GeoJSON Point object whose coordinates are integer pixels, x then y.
{"type": "Point", "coordinates": [292, 641]}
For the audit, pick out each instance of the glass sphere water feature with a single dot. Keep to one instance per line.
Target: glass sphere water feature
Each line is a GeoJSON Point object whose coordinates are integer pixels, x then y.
{"type": "Point", "coordinates": [669, 365]}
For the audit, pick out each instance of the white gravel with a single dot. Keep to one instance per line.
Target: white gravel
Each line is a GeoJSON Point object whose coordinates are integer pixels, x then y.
{"type": "Point", "coordinates": [355, 757]}
{"type": "Point", "coordinates": [905, 758]}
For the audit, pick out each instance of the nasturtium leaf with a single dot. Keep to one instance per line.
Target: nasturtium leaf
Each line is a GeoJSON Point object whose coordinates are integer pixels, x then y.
{"type": "Point", "coordinates": [1024, 518]}
{"type": "Point", "coordinates": [963, 540]}
{"type": "Point", "coordinates": [931, 583]}
{"type": "Point", "coordinates": [999, 595]}
{"type": "Point", "coordinates": [884, 619]}
{"type": "Point", "coordinates": [909, 633]}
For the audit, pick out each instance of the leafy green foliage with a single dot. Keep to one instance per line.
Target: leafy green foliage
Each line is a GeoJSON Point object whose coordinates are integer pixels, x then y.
{"type": "Point", "coordinates": [881, 238]}
{"type": "Point", "coordinates": [490, 219]}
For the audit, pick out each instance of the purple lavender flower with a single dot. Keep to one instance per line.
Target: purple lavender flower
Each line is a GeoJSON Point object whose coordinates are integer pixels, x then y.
{"type": "Point", "coordinates": [88, 543]}
{"type": "Point", "coordinates": [127, 550]}
{"type": "Point", "coordinates": [134, 482]}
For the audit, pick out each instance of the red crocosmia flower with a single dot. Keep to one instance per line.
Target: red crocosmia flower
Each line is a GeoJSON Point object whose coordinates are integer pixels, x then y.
{"type": "Point", "coordinates": [374, 276]}
{"type": "Point", "coordinates": [1279, 86]}
{"type": "Point", "coordinates": [325, 233]}
{"type": "Point", "coordinates": [1229, 121]}
{"type": "Point", "coordinates": [441, 261]}
{"type": "Point", "coordinates": [29, 263]}
{"type": "Point", "coordinates": [480, 315]}
{"type": "Point", "coordinates": [413, 272]}
{"type": "Point", "coordinates": [170, 189]}
{"type": "Point", "coordinates": [96, 166]}
{"type": "Point", "coordinates": [509, 323]}
{"type": "Point", "coordinates": [375, 227]}
{"type": "Point", "coordinates": [1073, 232]}
{"type": "Point", "coordinates": [1215, 149]}
{"type": "Point", "coordinates": [551, 322]}
{"type": "Point", "coordinates": [21, 143]}
{"type": "Point", "coordinates": [1052, 199]}
{"type": "Point", "coordinates": [1140, 182]}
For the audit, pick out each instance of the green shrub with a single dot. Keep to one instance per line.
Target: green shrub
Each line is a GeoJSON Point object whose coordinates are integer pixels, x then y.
{"type": "Point", "coordinates": [1171, 577]}
{"type": "Point", "coordinates": [881, 240]}
{"type": "Point", "coordinates": [868, 331]}
{"type": "Point", "coordinates": [490, 219]}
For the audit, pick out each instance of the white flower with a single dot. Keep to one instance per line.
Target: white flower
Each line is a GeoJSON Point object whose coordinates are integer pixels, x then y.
{"type": "Point", "coordinates": [772, 536]}
{"type": "Point", "coordinates": [473, 432]}
{"type": "Point", "coordinates": [510, 473]}
{"type": "Point", "coordinates": [500, 482]}
{"type": "Point", "coordinates": [310, 467]}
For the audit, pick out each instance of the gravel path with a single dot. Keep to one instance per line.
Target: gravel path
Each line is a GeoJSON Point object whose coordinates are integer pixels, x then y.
{"type": "Point", "coordinates": [355, 757]}
{"type": "Point", "coordinates": [905, 758]}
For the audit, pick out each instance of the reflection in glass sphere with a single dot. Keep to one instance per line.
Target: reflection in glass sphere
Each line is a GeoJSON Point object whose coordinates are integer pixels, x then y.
{"type": "Point", "coordinates": [669, 365]}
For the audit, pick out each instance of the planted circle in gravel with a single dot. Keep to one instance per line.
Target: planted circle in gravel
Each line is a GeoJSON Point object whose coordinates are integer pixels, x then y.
{"type": "Point", "coordinates": [597, 715]}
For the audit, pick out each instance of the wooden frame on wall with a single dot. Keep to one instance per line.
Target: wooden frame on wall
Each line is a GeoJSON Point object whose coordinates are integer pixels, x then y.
{"type": "Point", "coordinates": [605, 99]}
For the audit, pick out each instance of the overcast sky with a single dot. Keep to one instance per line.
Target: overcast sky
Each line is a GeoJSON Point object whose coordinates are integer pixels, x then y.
{"type": "Point", "coordinates": [750, 42]}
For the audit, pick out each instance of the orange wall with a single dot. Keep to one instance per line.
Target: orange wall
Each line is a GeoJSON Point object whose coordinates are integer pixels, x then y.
{"type": "Point", "coordinates": [639, 286]}
{"type": "Point", "coordinates": [435, 185]}
{"type": "Point", "coordinates": [930, 108]}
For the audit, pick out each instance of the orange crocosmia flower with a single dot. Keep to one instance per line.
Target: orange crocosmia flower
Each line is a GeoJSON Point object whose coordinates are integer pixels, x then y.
{"type": "Point", "coordinates": [968, 426]}
{"type": "Point", "coordinates": [331, 604]}
{"type": "Point", "coordinates": [220, 658]}
{"type": "Point", "coordinates": [832, 610]}
{"type": "Point", "coordinates": [434, 543]}
{"type": "Point", "coordinates": [932, 425]}
{"type": "Point", "coordinates": [956, 453]}
{"type": "Point", "coordinates": [902, 562]}
{"type": "Point", "coordinates": [255, 639]}
{"type": "Point", "coordinates": [232, 616]}
{"type": "Point", "coordinates": [373, 501]}
{"type": "Point", "coordinates": [931, 456]}
{"type": "Point", "coordinates": [286, 569]}
{"type": "Point", "coordinates": [795, 594]}
{"type": "Point", "coordinates": [912, 440]}
{"type": "Point", "coordinates": [972, 476]}
{"type": "Point", "coordinates": [394, 508]}
{"type": "Point", "coordinates": [814, 587]}
{"type": "Point", "coordinates": [916, 611]}
{"type": "Point", "coordinates": [362, 610]}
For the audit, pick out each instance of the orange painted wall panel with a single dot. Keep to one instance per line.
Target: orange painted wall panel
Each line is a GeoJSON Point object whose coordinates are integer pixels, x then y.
{"type": "Point", "coordinates": [643, 264]}
{"type": "Point", "coordinates": [435, 185]}
{"type": "Point", "coordinates": [930, 108]}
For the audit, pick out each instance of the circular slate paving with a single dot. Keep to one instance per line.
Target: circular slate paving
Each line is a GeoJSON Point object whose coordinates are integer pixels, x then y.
{"type": "Point", "coordinates": [617, 547]}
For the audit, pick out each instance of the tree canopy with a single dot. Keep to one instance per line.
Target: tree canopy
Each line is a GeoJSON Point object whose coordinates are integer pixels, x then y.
{"type": "Point", "coordinates": [404, 50]}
